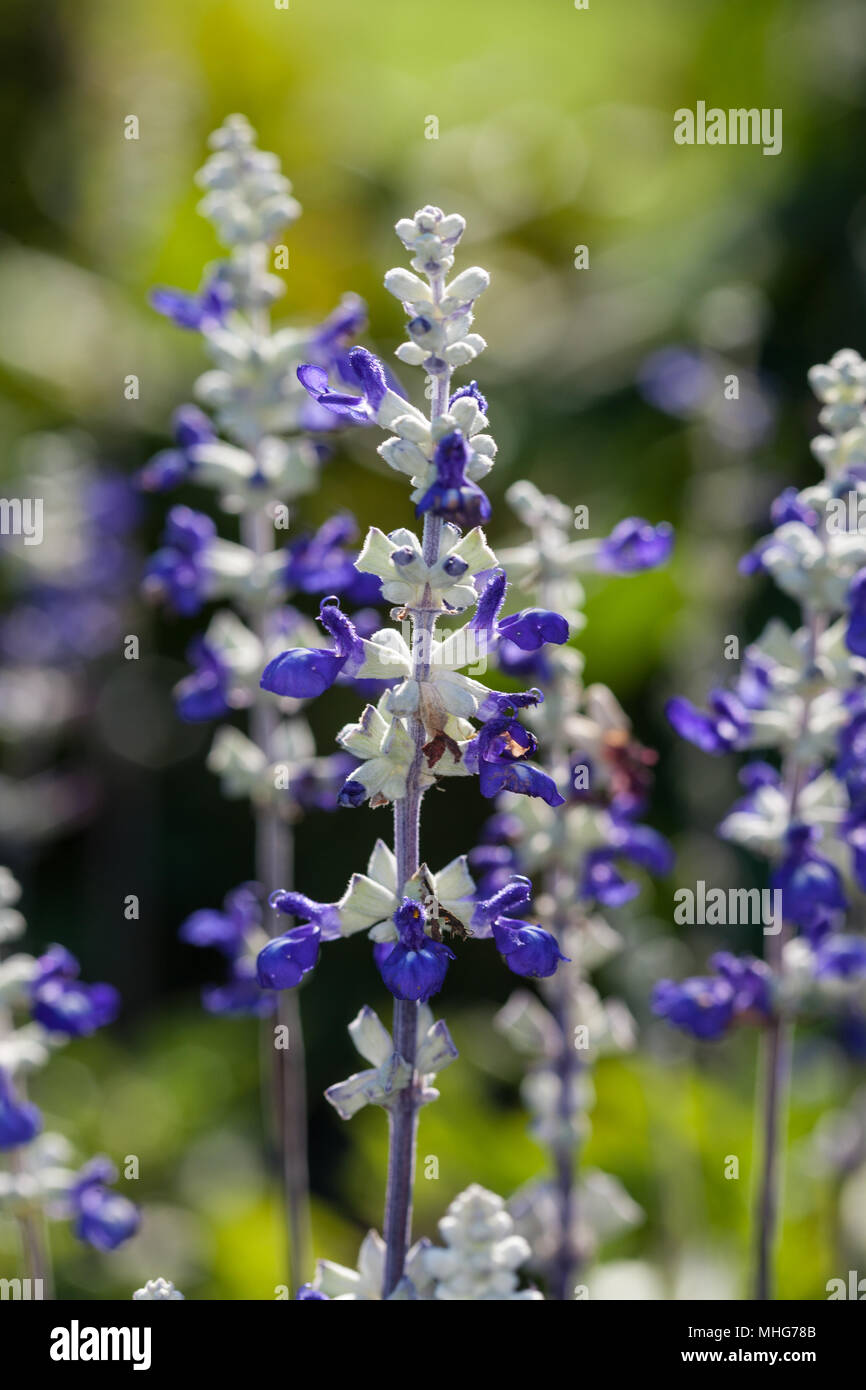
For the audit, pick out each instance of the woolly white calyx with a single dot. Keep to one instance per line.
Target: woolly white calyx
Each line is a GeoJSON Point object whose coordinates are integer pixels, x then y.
{"type": "Point", "coordinates": [238, 762]}
{"type": "Point", "coordinates": [388, 750]}
{"type": "Point", "coordinates": [157, 1290]}
{"type": "Point", "coordinates": [603, 1209]}
{"type": "Point", "coordinates": [840, 385]}
{"type": "Point", "coordinates": [389, 1073]}
{"type": "Point", "coordinates": [762, 825]}
{"type": "Point", "coordinates": [406, 579]}
{"type": "Point", "coordinates": [27, 1048]}
{"type": "Point", "coordinates": [364, 1284]}
{"type": "Point", "coordinates": [12, 923]}
{"type": "Point", "coordinates": [411, 449]}
{"type": "Point", "coordinates": [482, 1254]}
{"type": "Point", "coordinates": [372, 898]}
{"type": "Point", "coordinates": [247, 198]}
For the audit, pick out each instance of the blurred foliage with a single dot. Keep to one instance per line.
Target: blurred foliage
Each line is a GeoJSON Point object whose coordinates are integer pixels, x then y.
{"type": "Point", "coordinates": [555, 129]}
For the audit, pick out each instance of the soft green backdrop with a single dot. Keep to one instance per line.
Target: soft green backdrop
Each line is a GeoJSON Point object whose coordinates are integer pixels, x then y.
{"type": "Point", "coordinates": [554, 130]}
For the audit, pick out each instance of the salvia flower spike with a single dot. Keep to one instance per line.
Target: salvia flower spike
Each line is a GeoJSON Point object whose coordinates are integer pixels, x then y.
{"type": "Point", "coordinates": [43, 1007]}
{"type": "Point", "coordinates": [799, 696]}
{"type": "Point", "coordinates": [578, 855]}
{"type": "Point", "coordinates": [256, 441]}
{"type": "Point", "coordinates": [436, 719]}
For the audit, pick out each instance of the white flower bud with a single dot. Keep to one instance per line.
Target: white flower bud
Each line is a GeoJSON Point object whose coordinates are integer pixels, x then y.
{"type": "Point", "coordinates": [468, 285]}
{"type": "Point", "coordinates": [157, 1290]}
{"type": "Point", "coordinates": [408, 288]}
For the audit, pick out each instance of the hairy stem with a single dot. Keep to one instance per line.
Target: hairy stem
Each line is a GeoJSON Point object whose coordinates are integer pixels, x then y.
{"type": "Point", "coordinates": [286, 1079]}
{"type": "Point", "coordinates": [34, 1242]}
{"type": "Point", "coordinates": [403, 1116]}
{"type": "Point", "coordinates": [775, 1070]}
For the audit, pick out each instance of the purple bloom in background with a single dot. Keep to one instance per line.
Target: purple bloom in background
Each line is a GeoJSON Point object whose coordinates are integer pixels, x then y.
{"type": "Point", "coordinates": [20, 1121]}
{"type": "Point", "coordinates": [703, 1007]}
{"type": "Point", "coordinates": [603, 881]}
{"type": "Point", "coordinates": [203, 694]}
{"type": "Point", "coordinates": [415, 966]}
{"type": "Point", "coordinates": [533, 627]}
{"type": "Point", "coordinates": [750, 980]}
{"type": "Point", "coordinates": [452, 496]}
{"type": "Point", "coordinates": [302, 673]}
{"type": "Point", "coordinates": [706, 1006]}
{"type": "Point", "coordinates": [676, 380]}
{"type": "Point", "coordinates": [855, 637]}
{"type": "Point", "coordinates": [201, 312]}
{"type": "Point", "coordinates": [494, 860]}
{"type": "Point", "coordinates": [320, 564]}
{"type": "Point", "coordinates": [841, 957]}
{"type": "Point", "coordinates": [810, 885]}
{"type": "Point", "coordinates": [753, 685]}
{"type": "Point", "coordinates": [851, 764]}
{"type": "Point", "coordinates": [56, 963]}
{"type": "Point", "coordinates": [521, 665]}
{"type": "Point", "coordinates": [330, 345]}
{"type": "Point", "coordinates": [241, 996]}
{"type": "Point", "coordinates": [725, 726]}
{"type": "Point", "coordinates": [64, 1004]}
{"type": "Point", "coordinates": [73, 1008]}
{"type": "Point", "coordinates": [284, 962]}
{"type": "Point", "coordinates": [103, 1219]}
{"type": "Point", "coordinates": [226, 931]}
{"type": "Point", "coordinates": [177, 573]}
{"type": "Point", "coordinates": [641, 844]}
{"type": "Point", "coordinates": [306, 1294]}
{"type": "Point", "coordinates": [171, 467]}
{"type": "Point", "coordinates": [526, 949]}
{"type": "Point", "coordinates": [634, 545]}
{"type": "Point", "coordinates": [366, 371]}
{"type": "Point", "coordinates": [788, 507]}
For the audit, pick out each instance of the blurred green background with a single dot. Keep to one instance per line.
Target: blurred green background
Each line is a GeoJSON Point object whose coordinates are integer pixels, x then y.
{"type": "Point", "coordinates": [555, 130]}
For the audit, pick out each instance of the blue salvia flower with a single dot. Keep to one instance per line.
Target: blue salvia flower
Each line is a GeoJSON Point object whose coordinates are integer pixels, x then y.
{"type": "Point", "coordinates": [740, 991]}
{"type": "Point", "coordinates": [20, 1120]}
{"type": "Point", "coordinates": [203, 311]}
{"type": "Point", "coordinates": [45, 1005]}
{"type": "Point", "coordinates": [799, 696]}
{"type": "Point", "coordinates": [237, 932]}
{"type": "Point", "coordinates": [413, 967]}
{"type": "Point", "coordinates": [303, 674]}
{"type": "Point", "coordinates": [576, 848]}
{"type": "Point", "coordinates": [64, 1004]}
{"type": "Point", "coordinates": [103, 1219]}
{"type": "Point", "coordinates": [635, 545]}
